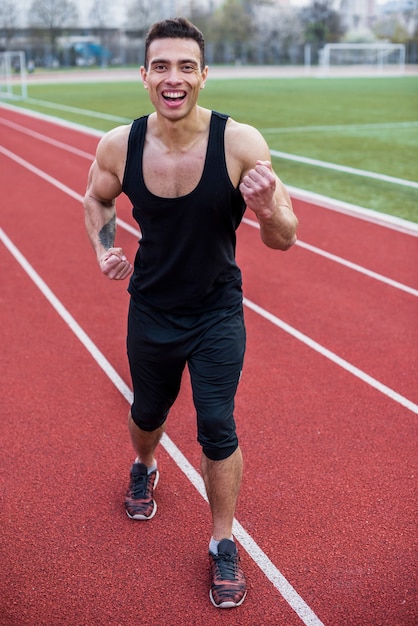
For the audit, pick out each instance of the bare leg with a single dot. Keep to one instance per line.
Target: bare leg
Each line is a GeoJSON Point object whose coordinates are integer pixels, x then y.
{"type": "Point", "coordinates": [144, 442]}
{"type": "Point", "coordinates": [222, 481]}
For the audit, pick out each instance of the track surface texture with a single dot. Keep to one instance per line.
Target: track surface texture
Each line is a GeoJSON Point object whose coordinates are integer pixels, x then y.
{"type": "Point", "coordinates": [326, 413]}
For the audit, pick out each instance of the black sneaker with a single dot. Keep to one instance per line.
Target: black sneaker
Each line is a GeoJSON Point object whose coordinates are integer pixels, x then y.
{"type": "Point", "coordinates": [139, 500]}
{"type": "Point", "coordinates": [229, 586]}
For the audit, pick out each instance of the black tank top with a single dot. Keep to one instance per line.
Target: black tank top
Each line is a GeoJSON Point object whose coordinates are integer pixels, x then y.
{"type": "Point", "coordinates": [186, 258]}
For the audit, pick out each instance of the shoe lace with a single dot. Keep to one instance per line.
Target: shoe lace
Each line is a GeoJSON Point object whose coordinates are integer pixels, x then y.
{"type": "Point", "coordinates": [139, 486]}
{"type": "Point", "coordinates": [226, 565]}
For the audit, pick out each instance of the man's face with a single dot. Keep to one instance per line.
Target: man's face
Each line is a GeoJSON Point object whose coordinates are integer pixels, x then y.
{"type": "Point", "coordinates": [173, 76]}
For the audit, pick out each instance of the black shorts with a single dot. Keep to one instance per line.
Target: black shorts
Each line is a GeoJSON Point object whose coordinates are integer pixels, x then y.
{"type": "Point", "coordinates": [212, 345]}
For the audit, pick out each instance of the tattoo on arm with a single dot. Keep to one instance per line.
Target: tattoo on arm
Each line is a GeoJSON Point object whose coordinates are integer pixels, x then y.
{"type": "Point", "coordinates": [107, 233]}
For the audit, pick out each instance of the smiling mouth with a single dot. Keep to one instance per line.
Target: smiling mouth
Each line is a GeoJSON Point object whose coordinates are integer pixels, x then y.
{"type": "Point", "coordinates": [174, 96]}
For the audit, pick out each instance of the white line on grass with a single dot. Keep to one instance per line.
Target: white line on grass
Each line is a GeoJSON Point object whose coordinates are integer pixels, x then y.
{"type": "Point", "coordinates": [78, 110]}
{"type": "Point", "coordinates": [282, 585]}
{"type": "Point", "coordinates": [345, 169]}
{"type": "Point", "coordinates": [340, 128]}
{"type": "Point", "coordinates": [276, 153]}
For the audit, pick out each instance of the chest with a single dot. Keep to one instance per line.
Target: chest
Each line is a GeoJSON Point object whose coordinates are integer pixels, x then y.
{"type": "Point", "coordinates": [172, 174]}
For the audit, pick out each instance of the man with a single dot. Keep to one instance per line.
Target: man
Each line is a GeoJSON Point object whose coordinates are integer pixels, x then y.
{"type": "Point", "coordinates": [189, 173]}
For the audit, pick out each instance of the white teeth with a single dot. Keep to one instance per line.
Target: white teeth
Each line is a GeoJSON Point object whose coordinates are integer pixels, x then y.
{"type": "Point", "coordinates": [173, 94]}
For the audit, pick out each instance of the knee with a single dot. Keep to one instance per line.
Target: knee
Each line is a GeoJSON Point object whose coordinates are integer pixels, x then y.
{"type": "Point", "coordinates": [217, 436]}
{"type": "Point", "coordinates": [146, 421]}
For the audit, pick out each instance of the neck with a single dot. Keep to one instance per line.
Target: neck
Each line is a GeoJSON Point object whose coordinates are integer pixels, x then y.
{"type": "Point", "coordinates": [179, 134]}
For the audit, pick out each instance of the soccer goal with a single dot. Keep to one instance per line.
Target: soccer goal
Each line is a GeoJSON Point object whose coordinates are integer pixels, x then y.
{"type": "Point", "coordinates": [379, 56]}
{"type": "Point", "coordinates": [13, 81]}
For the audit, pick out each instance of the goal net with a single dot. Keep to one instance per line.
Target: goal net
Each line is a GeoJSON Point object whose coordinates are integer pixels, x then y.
{"type": "Point", "coordinates": [13, 83]}
{"type": "Point", "coordinates": [379, 56]}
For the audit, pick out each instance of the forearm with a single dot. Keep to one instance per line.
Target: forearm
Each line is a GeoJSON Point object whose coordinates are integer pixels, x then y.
{"type": "Point", "coordinates": [100, 221]}
{"type": "Point", "coordinates": [278, 227]}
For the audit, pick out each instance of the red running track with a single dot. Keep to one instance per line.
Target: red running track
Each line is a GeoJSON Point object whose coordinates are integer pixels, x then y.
{"type": "Point", "coordinates": [326, 413]}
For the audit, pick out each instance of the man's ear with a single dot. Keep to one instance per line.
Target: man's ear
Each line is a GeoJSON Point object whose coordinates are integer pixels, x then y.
{"type": "Point", "coordinates": [204, 76]}
{"type": "Point", "coordinates": [144, 76]}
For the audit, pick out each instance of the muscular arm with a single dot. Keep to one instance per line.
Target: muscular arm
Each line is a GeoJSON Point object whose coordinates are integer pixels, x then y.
{"type": "Point", "coordinates": [264, 193]}
{"type": "Point", "coordinates": [103, 186]}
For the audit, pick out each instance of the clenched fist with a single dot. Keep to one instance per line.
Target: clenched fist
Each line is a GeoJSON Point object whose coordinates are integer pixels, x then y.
{"type": "Point", "coordinates": [258, 187]}
{"type": "Point", "coordinates": [114, 264]}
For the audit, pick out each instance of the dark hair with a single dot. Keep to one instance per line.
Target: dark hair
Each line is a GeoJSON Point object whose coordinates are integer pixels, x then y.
{"type": "Point", "coordinates": [175, 28]}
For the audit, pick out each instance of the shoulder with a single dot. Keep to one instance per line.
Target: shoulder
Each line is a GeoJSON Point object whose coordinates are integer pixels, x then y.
{"type": "Point", "coordinates": [112, 145]}
{"type": "Point", "coordinates": [116, 137]}
{"type": "Point", "coordinates": [245, 144]}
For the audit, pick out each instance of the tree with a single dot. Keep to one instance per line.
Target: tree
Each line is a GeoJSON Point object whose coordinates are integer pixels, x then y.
{"type": "Point", "coordinates": [280, 34]}
{"type": "Point", "coordinates": [141, 14]}
{"type": "Point", "coordinates": [233, 27]}
{"type": "Point", "coordinates": [322, 24]}
{"type": "Point", "coordinates": [53, 16]}
{"type": "Point", "coordinates": [8, 21]}
{"type": "Point", "coordinates": [99, 16]}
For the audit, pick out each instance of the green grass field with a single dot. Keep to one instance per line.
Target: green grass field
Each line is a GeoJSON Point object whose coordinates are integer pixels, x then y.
{"type": "Point", "coordinates": [370, 124]}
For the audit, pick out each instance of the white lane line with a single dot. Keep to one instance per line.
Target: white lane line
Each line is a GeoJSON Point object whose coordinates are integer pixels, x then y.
{"type": "Point", "coordinates": [361, 213]}
{"type": "Point", "coordinates": [289, 329]}
{"type": "Point", "coordinates": [369, 215]}
{"type": "Point", "coordinates": [53, 181]}
{"type": "Point", "coordinates": [352, 369]}
{"type": "Point", "coordinates": [359, 268]}
{"type": "Point", "coordinates": [49, 140]}
{"type": "Point", "coordinates": [317, 347]}
{"type": "Point", "coordinates": [349, 264]}
{"type": "Point", "coordinates": [344, 168]}
{"type": "Point", "coordinates": [282, 585]}
{"type": "Point", "coordinates": [271, 572]}
{"type": "Point", "coordinates": [38, 172]}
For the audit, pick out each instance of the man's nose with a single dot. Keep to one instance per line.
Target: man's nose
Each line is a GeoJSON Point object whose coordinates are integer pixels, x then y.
{"type": "Point", "coordinates": [174, 75]}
